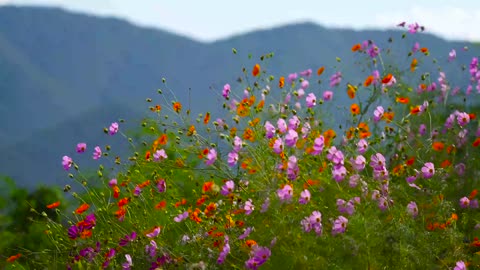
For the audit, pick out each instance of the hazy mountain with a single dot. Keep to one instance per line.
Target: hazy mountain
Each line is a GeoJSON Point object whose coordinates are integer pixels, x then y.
{"type": "Point", "coordinates": [65, 76]}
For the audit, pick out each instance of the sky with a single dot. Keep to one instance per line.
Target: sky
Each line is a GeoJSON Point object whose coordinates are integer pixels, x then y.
{"type": "Point", "coordinates": [210, 20]}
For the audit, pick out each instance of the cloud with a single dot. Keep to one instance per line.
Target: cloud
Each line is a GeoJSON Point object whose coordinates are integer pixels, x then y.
{"type": "Point", "coordinates": [450, 22]}
{"type": "Point", "coordinates": [4, 2]}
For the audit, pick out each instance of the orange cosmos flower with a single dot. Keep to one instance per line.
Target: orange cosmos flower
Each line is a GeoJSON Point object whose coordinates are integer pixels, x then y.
{"type": "Point", "coordinates": [250, 243]}
{"type": "Point", "coordinates": [368, 81]}
{"type": "Point", "coordinates": [320, 71]}
{"type": "Point", "coordinates": [256, 70]}
{"type": "Point", "coordinates": [413, 65]}
{"type": "Point", "coordinates": [403, 100]}
{"type": "Point", "coordinates": [242, 110]}
{"type": "Point", "coordinates": [351, 91]}
{"type": "Point", "coordinates": [356, 47]}
{"type": "Point", "coordinates": [476, 143]}
{"type": "Point", "coordinates": [53, 205]}
{"type": "Point", "coordinates": [473, 194]}
{"type": "Point", "coordinates": [387, 78]}
{"type": "Point", "coordinates": [446, 163]}
{"type": "Point", "coordinates": [281, 82]}
{"type": "Point", "coordinates": [424, 50]}
{"type": "Point", "coordinates": [410, 161]}
{"type": "Point", "coordinates": [438, 146]}
{"type": "Point", "coordinates": [191, 130]}
{"type": "Point", "coordinates": [415, 110]}
{"type": "Point", "coordinates": [388, 116]}
{"type": "Point", "coordinates": [177, 107]}
{"type": "Point", "coordinates": [472, 116]}
{"type": "Point", "coordinates": [207, 186]}
{"type": "Point", "coordinates": [161, 205]}
{"type": "Point", "coordinates": [147, 155]}
{"type": "Point", "coordinates": [207, 118]}
{"type": "Point", "coordinates": [14, 258]}
{"type": "Point", "coordinates": [82, 208]}
{"type": "Point", "coordinates": [163, 139]}
{"type": "Point", "coordinates": [144, 184]}
{"type": "Point", "coordinates": [116, 192]}
{"type": "Point", "coordinates": [260, 105]}
{"type": "Point", "coordinates": [248, 135]}
{"type": "Point", "coordinates": [354, 109]}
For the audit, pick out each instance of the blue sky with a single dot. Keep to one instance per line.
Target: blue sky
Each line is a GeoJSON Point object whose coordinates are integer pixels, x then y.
{"type": "Point", "coordinates": [209, 20]}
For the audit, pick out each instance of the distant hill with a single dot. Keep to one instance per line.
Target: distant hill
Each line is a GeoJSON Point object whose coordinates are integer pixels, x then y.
{"type": "Point", "coordinates": [64, 76]}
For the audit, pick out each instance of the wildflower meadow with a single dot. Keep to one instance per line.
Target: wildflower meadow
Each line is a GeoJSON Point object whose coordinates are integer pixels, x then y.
{"type": "Point", "coordinates": [280, 176]}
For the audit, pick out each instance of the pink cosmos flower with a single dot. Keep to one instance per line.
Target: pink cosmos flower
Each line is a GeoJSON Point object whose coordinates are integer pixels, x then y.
{"type": "Point", "coordinates": [181, 217]}
{"type": "Point", "coordinates": [113, 129]}
{"type": "Point", "coordinates": [304, 85]}
{"type": "Point", "coordinates": [327, 95]}
{"type": "Point", "coordinates": [232, 158]}
{"type": "Point", "coordinates": [305, 196]}
{"type": "Point", "coordinates": [311, 100]}
{"type": "Point", "coordinates": [377, 160]}
{"type": "Point", "coordinates": [362, 146]}
{"type": "Point", "coordinates": [67, 162]}
{"type": "Point", "coordinates": [81, 147]}
{"type": "Point", "coordinates": [97, 153]}
{"type": "Point", "coordinates": [339, 225]}
{"type": "Point", "coordinates": [160, 155]}
{"type": "Point", "coordinates": [270, 130]}
{"type": "Point", "coordinates": [452, 55]}
{"type": "Point", "coordinates": [292, 77]}
{"type": "Point", "coordinates": [306, 73]}
{"type": "Point", "coordinates": [339, 173]}
{"type": "Point", "coordinates": [460, 265]}
{"type": "Point", "coordinates": [291, 138]}
{"type": "Point", "coordinates": [318, 145]}
{"type": "Point", "coordinates": [128, 264]}
{"type": "Point", "coordinates": [154, 233]}
{"type": "Point", "coordinates": [359, 163]}
{"type": "Point", "coordinates": [378, 114]}
{"type": "Point", "coordinates": [282, 125]}
{"type": "Point", "coordinates": [285, 194]}
{"type": "Point", "coordinates": [227, 188]}
{"type": "Point", "coordinates": [211, 157]}
{"type": "Point", "coordinates": [248, 207]}
{"type": "Point", "coordinates": [464, 202]}
{"type": "Point", "coordinates": [428, 170]}
{"type": "Point", "coordinates": [278, 146]}
{"type": "Point", "coordinates": [412, 209]}
{"type": "Point", "coordinates": [161, 186]}
{"type": "Point", "coordinates": [226, 91]}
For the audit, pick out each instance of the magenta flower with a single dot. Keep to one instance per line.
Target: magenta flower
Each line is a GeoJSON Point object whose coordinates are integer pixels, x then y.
{"type": "Point", "coordinates": [353, 180]}
{"type": "Point", "coordinates": [246, 233]}
{"type": "Point", "coordinates": [292, 168]}
{"type": "Point", "coordinates": [160, 155]}
{"type": "Point", "coordinates": [248, 207]}
{"type": "Point", "coordinates": [463, 118]}
{"type": "Point", "coordinates": [292, 77]}
{"type": "Point", "coordinates": [327, 95]}
{"type": "Point", "coordinates": [81, 147]}
{"type": "Point", "coordinates": [154, 233]}
{"type": "Point", "coordinates": [413, 28]}
{"type": "Point", "coordinates": [181, 217]}
{"type": "Point", "coordinates": [226, 91]}
{"type": "Point", "coordinates": [464, 202]}
{"type": "Point", "coordinates": [377, 160]}
{"type": "Point", "coordinates": [237, 144]}
{"type": "Point", "coordinates": [339, 225]}
{"type": "Point", "coordinates": [306, 73]}
{"type": "Point", "coordinates": [137, 191]}
{"type": "Point", "coordinates": [339, 173]}
{"type": "Point", "coordinates": [362, 146]}
{"type": "Point", "coordinates": [460, 265]}
{"type": "Point", "coordinates": [67, 162]}
{"type": "Point", "coordinates": [383, 203]}
{"type": "Point", "coordinates": [300, 93]}
{"type": "Point", "coordinates": [291, 138]}
{"type": "Point", "coordinates": [412, 209]}
{"type": "Point", "coordinates": [282, 125]}
{"type": "Point", "coordinates": [232, 159]}
{"type": "Point", "coordinates": [452, 55]}
{"type": "Point", "coordinates": [270, 130]}
{"type": "Point", "coordinates": [278, 146]}
{"type": "Point", "coordinates": [285, 194]}
{"type": "Point", "coordinates": [359, 163]}
{"type": "Point", "coordinates": [293, 122]}
{"type": "Point", "coordinates": [225, 251]}
{"type": "Point", "coordinates": [227, 188]}
{"type": "Point", "coordinates": [311, 100]}
{"type": "Point", "coordinates": [378, 114]}
{"type": "Point", "coordinates": [346, 207]}
{"type": "Point", "coordinates": [128, 264]}
{"type": "Point", "coordinates": [151, 249]}
{"type": "Point", "coordinates": [335, 79]}
{"type": "Point", "coordinates": [304, 85]}
{"type": "Point", "coordinates": [416, 47]}
{"type": "Point", "coordinates": [127, 239]}
{"type": "Point", "coordinates": [265, 205]}
{"type": "Point", "coordinates": [422, 129]}
{"type": "Point", "coordinates": [428, 170]}
{"type": "Point", "coordinates": [161, 186]}
{"type": "Point", "coordinates": [113, 129]}
{"type": "Point", "coordinates": [112, 182]}
{"type": "Point", "coordinates": [97, 153]}
{"type": "Point", "coordinates": [318, 145]}
{"type": "Point", "coordinates": [304, 197]}
{"type": "Point", "coordinates": [211, 157]}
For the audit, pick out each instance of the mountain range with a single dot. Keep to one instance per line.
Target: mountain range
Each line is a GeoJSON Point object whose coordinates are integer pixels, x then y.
{"type": "Point", "coordinates": [65, 76]}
